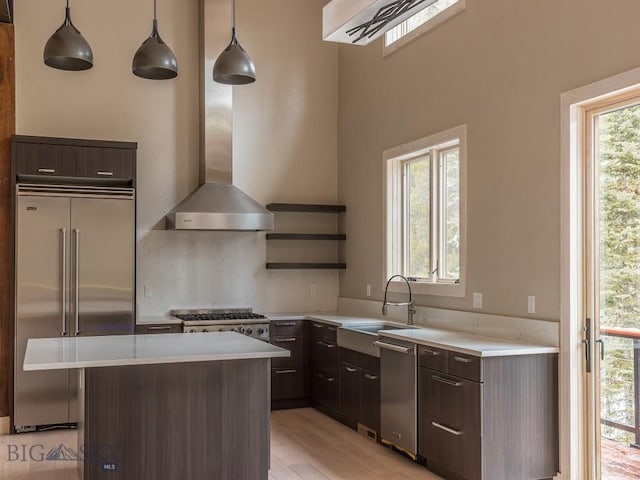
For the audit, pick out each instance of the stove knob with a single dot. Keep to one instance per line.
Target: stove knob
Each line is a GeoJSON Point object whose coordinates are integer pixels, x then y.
{"type": "Point", "coordinates": [205, 330]}
{"type": "Point", "coordinates": [249, 331]}
{"type": "Point", "coordinates": [240, 329]}
{"type": "Point", "coordinates": [260, 331]}
{"type": "Point", "coordinates": [233, 329]}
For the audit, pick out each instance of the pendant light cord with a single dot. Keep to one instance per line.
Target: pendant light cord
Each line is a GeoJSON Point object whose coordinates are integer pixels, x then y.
{"type": "Point", "coordinates": [155, 16]}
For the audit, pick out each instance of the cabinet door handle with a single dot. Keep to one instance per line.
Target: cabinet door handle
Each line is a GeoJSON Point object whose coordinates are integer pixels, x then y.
{"type": "Point", "coordinates": [282, 372]}
{"type": "Point", "coordinates": [46, 170]}
{"type": "Point", "coordinates": [325, 378]}
{"type": "Point", "coordinates": [286, 340]}
{"type": "Point", "coordinates": [158, 327]}
{"type": "Point", "coordinates": [351, 370]}
{"type": "Point", "coordinates": [317, 325]}
{"type": "Point", "coordinates": [446, 429]}
{"type": "Point", "coordinates": [370, 377]}
{"type": "Point", "coordinates": [105, 174]}
{"type": "Point", "coordinates": [76, 280]}
{"type": "Point", "coordinates": [286, 324]}
{"type": "Point", "coordinates": [333, 329]}
{"type": "Point", "coordinates": [431, 352]}
{"type": "Point", "coordinates": [63, 280]}
{"type": "Point", "coordinates": [440, 379]}
{"type": "Point", "coordinates": [325, 344]}
{"type": "Point", "coordinates": [462, 359]}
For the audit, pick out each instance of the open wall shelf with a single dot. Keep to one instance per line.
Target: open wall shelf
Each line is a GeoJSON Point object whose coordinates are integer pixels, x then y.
{"type": "Point", "coordinates": [305, 208]}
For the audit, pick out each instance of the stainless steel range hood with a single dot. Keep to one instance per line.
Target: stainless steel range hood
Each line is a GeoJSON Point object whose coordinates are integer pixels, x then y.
{"type": "Point", "coordinates": [216, 204]}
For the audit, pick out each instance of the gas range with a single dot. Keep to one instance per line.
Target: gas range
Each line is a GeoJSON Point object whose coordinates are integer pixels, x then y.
{"type": "Point", "coordinates": [241, 320]}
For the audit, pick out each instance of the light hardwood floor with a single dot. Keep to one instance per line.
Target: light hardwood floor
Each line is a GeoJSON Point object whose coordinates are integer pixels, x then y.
{"type": "Point", "coordinates": [305, 444]}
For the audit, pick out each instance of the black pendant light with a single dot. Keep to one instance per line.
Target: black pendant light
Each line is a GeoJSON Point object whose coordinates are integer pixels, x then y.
{"type": "Point", "coordinates": [234, 66]}
{"type": "Point", "coordinates": [67, 49]}
{"type": "Point", "coordinates": [154, 59]}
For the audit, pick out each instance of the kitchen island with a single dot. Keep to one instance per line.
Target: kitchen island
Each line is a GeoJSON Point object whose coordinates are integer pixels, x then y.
{"type": "Point", "coordinates": [166, 407]}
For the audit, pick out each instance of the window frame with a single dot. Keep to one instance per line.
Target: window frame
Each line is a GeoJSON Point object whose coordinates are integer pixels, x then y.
{"type": "Point", "coordinates": [430, 24]}
{"type": "Point", "coordinates": [394, 222]}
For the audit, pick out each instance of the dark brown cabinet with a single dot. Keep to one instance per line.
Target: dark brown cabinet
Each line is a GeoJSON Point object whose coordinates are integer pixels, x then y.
{"type": "Point", "coordinates": [158, 328]}
{"type": "Point", "coordinates": [289, 375]}
{"type": "Point", "coordinates": [487, 418]}
{"type": "Point", "coordinates": [360, 391]}
{"type": "Point", "coordinates": [94, 160]}
{"type": "Point", "coordinates": [325, 368]}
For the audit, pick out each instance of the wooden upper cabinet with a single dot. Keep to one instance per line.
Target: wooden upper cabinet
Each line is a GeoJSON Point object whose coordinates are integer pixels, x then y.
{"type": "Point", "coordinates": [43, 159]}
{"type": "Point", "coordinates": [106, 163]}
{"type": "Point", "coordinates": [99, 160]}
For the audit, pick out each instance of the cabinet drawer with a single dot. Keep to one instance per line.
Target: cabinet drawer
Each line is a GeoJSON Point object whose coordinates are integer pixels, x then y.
{"type": "Point", "coordinates": [46, 160]}
{"type": "Point", "coordinates": [450, 452]}
{"type": "Point", "coordinates": [287, 383]}
{"type": "Point", "coordinates": [326, 357]}
{"type": "Point", "coordinates": [324, 332]}
{"type": "Point", "coordinates": [295, 345]}
{"type": "Point", "coordinates": [287, 328]}
{"type": "Point", "coordinates": [453, 401]}
{"type": "Point", "coordinates": [326, 390]}
{"type": "Point", "coordinates": [159, 328]}
{"type": "Point", "coordinates": [466, 366]}
{"type": "Point", "coordinates": [432, 357]}
{"type": "Point", "coordinates": [106, 163]}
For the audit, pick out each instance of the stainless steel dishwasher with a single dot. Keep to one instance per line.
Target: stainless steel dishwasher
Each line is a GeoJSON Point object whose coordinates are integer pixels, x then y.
{"type": "Point", "coordinates": [398, 395]}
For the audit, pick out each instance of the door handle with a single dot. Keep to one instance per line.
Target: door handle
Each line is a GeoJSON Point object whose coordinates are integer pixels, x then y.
{"type": "Point", "coordinates": [76, 285]}
{"type": "Point", "coordinates": [394, 348]}
{"type": "Point", "coordinates": [325, 378]}
{"type": "Point", "coordinates": [282, 372]}
{"type": "Point", "coordinates": [587, 344]}
{"type": "Point", "coordinates": [46, 170]}
{"type": "Point", "coordinates": [105, 174]}
{"type": "Point", "coordinates": [351, 370]}
{"type": "Point", "coordinates": [368, 376]}
{"type": "Point", "coordinates": [462, 359]}
{"type": "Point", "coordinates": [325, 344]}
{"type": "Point", "coordinates": [446, 429]}
{"type": "Point", "coordinates": [63, 290]}
{"type": "Point", "coordinates": [158, 328]}
{"type": "Point", "coordinates": [285, 324]}
{"type": "Point", "coordinates": [601, 342]}
{"type": "Point", "coordinates": [431, 352]}
{"type": "Point", "coordinates": [440, 379]}
{"type": "Point", "coordinates": [285, 340]}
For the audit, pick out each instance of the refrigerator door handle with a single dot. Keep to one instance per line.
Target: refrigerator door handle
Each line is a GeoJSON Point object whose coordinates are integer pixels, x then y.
{"type": "Point", "coordinates": [63, 290]}
{"type": "Point", "coordinates": [76, 281]}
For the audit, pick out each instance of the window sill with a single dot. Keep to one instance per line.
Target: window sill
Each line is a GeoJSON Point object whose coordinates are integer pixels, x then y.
{"type": "Point", "coordinates": [427, 288]}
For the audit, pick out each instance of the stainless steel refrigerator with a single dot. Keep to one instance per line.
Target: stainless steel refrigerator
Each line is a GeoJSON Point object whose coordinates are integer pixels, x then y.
{"type": "Point", "coordinates": [74, 251]}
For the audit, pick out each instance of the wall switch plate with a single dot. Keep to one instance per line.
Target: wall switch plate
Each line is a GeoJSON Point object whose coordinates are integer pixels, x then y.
{"type": "Point", "coordinates": [148, 292]}
{"type": "Point", "coordinates": [368, 290]}
{"type": "Point", "coordinates": [531, 304]}
{"type": "Point", "coordinates": [477, 300]}
{"type": "Point", "coordinates": [313, 288]}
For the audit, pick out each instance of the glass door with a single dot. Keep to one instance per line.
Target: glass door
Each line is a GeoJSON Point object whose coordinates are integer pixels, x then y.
{"type": "Point", "coordinates": [612, 221]}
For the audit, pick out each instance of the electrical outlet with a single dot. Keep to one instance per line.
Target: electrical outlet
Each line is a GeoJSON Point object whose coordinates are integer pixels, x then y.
{"type": "Point", "coordinates": [368, 290]}
{"type": "Point", "coordinates": [477, 300]}
{"type": "Point", "coordinates": [531, 304]}
{"type": "Point", "coordinates": [313, 288]}
{"type": "Point", "coordinates": [148, 292]}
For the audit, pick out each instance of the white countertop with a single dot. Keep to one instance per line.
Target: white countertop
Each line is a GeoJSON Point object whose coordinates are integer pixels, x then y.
{"type": "Point", "coordinates": [118, 350]}
{"type": "Point", "coordinates": [461, 342]}
{"type": "Point", "coordinates": [467, 343]}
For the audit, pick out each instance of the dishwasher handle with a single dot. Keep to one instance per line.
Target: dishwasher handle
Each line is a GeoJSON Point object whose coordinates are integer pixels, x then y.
{"type": "Point", "coordinates": [395, 348]}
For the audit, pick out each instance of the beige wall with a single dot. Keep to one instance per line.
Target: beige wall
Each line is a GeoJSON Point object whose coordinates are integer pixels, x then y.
{"type": "Point", "coordinates": [500, 67]}
{"type": "Point", "coordinates": [285, 137]}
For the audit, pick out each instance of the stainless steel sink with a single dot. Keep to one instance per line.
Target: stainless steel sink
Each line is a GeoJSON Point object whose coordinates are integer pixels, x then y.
{"type": "Point", "coordinates": [360, 337]}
